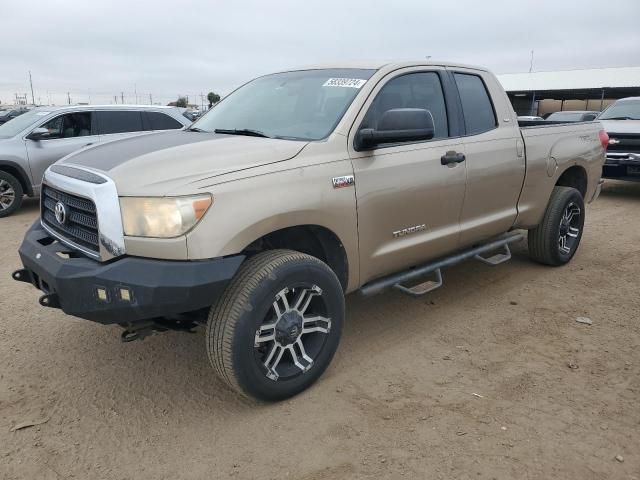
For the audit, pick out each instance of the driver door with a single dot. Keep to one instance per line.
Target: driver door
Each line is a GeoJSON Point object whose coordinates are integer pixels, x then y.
{"type": "Point", "coordinates": [409, 201]}
{"type": "Point", "coordinates": [68, 132]}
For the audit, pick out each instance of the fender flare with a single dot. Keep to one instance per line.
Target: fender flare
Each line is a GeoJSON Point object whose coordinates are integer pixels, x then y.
{"type": "Point", "coordinates": [23, 178]}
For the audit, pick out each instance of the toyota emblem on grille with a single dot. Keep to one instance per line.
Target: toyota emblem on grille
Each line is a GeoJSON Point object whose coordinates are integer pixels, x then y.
{"type": "Point", "coordinates": [60, 212]}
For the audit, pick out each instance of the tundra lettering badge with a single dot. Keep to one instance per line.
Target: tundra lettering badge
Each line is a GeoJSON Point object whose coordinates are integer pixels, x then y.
{"type": "Point", "coordinates": [408, 230]}
{"type": "Point", "coordinates": [344, 181]}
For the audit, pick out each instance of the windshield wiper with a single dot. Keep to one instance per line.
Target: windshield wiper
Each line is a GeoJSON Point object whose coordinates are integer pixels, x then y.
{"type": "Point", "coordinates": [618, 118]}
{"type": "Point", "coordinates": [195, 129]}
{"type": "Point", "coordinates": [242, 131]}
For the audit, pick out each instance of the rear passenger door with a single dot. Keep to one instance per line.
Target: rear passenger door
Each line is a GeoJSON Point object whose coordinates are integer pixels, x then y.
{"type": "Point", "coordinates": [409, 202]}
{"type": "Point", "coordinates": [495, 158]}
{"type": "Point", "coordinates": [116, 124]}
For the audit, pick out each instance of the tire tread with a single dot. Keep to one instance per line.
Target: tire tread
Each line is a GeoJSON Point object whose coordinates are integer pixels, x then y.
{"type": "Point", "coordinates": [223, 317]}
{"type": "Point", "coordinates": [540, 239]}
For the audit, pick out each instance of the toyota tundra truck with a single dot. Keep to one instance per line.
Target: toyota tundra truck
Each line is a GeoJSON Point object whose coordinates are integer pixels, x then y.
{"type": "Point", "coordinates": [298, 188]}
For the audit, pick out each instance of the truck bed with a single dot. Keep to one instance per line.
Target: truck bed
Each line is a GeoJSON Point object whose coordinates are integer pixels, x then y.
{"type": "Point", "coordinates": [552, 147]}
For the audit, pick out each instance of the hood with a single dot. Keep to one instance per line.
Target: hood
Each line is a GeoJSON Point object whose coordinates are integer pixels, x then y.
{"type": "Point", "coordinates": [621, 126]}
{"type": "Point", "coordinates": [158, 163]}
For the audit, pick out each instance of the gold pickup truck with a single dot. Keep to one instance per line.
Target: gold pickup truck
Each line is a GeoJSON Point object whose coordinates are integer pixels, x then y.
{"type": "Point", "coordinates": [296, 189]}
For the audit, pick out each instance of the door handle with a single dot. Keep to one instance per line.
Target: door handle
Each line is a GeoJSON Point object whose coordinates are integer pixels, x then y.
{"type": "Point", "coordinates": [452, 157]}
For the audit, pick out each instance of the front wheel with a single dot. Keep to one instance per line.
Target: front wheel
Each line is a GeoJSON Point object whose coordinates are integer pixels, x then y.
{"type": "Point", "coordinates": [10, 194]}
{"type": "Point", "coordinates": [277, 326]}
{"type": "Point", "coordinates": [556, 240]}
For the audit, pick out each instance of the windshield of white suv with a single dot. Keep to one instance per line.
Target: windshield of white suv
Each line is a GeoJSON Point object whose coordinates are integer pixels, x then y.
{"type": "Point", "coordinates": [626, 110]}
{"type": "Point", "coordinates": [301, 105]}
{"type": "Point", "coordinates": [18, 124]}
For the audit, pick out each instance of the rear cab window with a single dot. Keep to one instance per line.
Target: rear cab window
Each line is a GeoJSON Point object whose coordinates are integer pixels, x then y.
{"type": "Point", "coordinates": [477, 108]}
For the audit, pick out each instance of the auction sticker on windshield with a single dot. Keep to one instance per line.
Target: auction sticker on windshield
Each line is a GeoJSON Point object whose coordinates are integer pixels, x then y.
{"type": "Point", "coordinates": [344, 82]}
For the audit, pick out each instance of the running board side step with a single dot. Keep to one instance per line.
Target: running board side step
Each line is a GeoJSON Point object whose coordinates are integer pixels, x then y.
{"type": "Point", "coordinates": [399, 280]}
{"type": "Point", "coordinates": [497, 258]}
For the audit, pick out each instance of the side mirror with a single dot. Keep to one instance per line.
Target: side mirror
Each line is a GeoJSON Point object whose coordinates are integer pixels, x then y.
{"type": "Point", "coordinates": [39, 134]}
{"type": "Point", "coordinates": [589, 117]}
{"type": "Point", "coordinates": [398, 125]}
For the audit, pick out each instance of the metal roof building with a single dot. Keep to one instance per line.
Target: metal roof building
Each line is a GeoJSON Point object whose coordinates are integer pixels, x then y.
{"type": "Point", "coordinates": [595, 88]}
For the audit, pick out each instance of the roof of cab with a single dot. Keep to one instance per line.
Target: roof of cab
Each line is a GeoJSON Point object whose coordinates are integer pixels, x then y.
{"type": "Point", "coordinates": [386, 65]}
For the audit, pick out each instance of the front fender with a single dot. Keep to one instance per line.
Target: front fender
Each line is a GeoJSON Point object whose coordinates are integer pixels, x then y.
{"type": "Point", "coordinates": [246, 210]}
{"type": "Point", "coordinates": [16, 169]}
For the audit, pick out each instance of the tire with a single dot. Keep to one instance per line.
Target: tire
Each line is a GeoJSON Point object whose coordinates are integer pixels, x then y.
{"type": "Point", "coordinates": [252, 334]}
{"type": "Point", "coordinates": [11, 194]}
{"type": "Point", "coordinates": [555, 241]}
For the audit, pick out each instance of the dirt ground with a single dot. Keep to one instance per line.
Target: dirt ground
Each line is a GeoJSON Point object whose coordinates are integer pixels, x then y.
{"type": "Point", "coordinates": [473, 381]}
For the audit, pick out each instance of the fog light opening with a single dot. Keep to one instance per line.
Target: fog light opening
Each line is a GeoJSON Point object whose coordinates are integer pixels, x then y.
{"type": "Point", "coordinates": [102, 295]}
{"type": "Point", "coordinates": [125, 294]}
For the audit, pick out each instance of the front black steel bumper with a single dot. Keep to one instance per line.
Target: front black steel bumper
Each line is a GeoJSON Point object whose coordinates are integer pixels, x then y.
{"type": "Point", "coordinates": [124, 290]}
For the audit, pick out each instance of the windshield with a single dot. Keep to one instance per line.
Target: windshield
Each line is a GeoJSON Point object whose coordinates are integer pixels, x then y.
{"type": "Point", "coordinates": [305, 105]}
{"type": "Point", "coordinates": [627, 110]}
{"type": "Point", "coordinates": [18, 124]}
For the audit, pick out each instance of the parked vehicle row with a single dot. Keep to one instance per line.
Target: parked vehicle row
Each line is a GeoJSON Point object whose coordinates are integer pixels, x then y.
{"type": "Point", "coordinates": [294, 190]}
{"type": "Point", "coordinates": [32, 142]}
{"type": "Point", "coordinates": [565, 116]}
{"type": "Point", "coordinates": [572, 116]}
{"type": "Point", "coordinates": [7, 115]}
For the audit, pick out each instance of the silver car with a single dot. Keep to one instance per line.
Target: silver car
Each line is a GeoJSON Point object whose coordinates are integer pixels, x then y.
{"type": "Point", "coordinates": [30, 143]}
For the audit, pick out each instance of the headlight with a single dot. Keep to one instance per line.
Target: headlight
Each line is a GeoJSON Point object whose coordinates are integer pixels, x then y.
{"type": "Point", "coordinates": [162, 217]}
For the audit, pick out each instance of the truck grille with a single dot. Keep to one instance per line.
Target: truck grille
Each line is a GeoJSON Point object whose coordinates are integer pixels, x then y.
{"type": "Point", "coordinates": [79, 223]}
{"type": "Point", "coordinates": [628, 143]}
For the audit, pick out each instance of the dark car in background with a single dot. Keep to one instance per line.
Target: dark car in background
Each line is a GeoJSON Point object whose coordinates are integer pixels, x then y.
{"type": "Point", "coordinates": [572, 116]}
{"type": "Point", "coordinates": [621, 120]}
{"type": "Point", "coordinates": [6, 115]}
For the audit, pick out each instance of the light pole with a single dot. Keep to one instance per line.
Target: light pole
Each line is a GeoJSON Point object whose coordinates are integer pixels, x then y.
{"type": "Point", "coordinates": [33, 100]}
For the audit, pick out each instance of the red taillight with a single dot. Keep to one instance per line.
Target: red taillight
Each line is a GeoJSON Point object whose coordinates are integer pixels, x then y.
{"type": "Point", "coordinates": [604, 139]}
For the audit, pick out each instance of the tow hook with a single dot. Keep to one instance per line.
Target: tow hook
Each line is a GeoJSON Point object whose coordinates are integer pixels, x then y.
{"type": "Point", "coordinates": [22, 275]}
{"type": "Point", "coordinates": [141, 330]}
{"type": "Point", "coordinates": [50, 300]}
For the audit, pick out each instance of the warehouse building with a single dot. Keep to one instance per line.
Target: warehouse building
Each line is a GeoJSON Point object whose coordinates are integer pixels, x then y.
{"type": "Point", "coordinates": [539, 93]}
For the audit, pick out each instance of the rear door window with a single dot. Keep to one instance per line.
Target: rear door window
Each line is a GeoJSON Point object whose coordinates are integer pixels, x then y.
{"type": "Point", "coordinates": [118, 121]}
{"type": "Point", "coordinates": [161, 121]}
{"type": "Point", "coordinates": [477, 108]}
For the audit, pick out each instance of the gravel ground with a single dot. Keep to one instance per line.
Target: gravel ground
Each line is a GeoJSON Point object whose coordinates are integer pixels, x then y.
{"type": "Point", "coordinates": [488, 377]}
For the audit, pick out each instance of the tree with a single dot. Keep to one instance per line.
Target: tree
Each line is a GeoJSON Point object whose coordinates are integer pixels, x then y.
{"type": "Point", "coordinates": [181, 102]}
{"type": "Point", "coordinates": [213, 98]}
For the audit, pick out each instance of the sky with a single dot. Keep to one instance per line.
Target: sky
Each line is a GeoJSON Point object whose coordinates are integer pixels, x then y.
{"type": "Point", "coordinates": [158, 50]}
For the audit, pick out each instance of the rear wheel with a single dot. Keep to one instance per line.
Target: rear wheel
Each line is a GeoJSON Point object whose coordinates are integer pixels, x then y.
{"type": "Point", "coordinates": [556, 240]}
{"type": "Point", "coordinates": [278, 325]}
{"type": "Point", "coordinates": [10, 194]}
